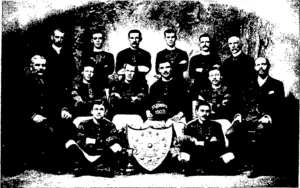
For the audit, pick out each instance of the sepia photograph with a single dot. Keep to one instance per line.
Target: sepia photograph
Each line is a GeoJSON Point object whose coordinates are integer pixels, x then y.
{"type": "Point", "coordinates": [105, 93]}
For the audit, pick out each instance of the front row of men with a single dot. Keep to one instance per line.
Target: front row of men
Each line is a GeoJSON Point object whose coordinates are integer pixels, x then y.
{"type": "Point", "coordinates": [97, 146]}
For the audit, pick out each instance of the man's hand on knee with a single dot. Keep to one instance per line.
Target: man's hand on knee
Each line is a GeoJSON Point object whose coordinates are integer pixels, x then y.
{"type": "Point", "coordinates": [116, 148]}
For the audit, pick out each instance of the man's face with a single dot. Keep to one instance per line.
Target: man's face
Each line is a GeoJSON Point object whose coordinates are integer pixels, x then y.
{"type": "Point", "coordinates": [261, 67]}
{"type": "Point", "coordinates": [88, 73]}
{"type": "Point", "coordinates": [234, 44]}
{"type": "Point", "coordinates": [170, 39]}
{"type": "Point", "coordinates": [97, 40]}
{"type": "Point", "coordinates": [39, 66]}
{"type": "Point", "coordinates": [203, 113]}
{"type": "Point", "coordinates": [205, 44]}
{"type": "Point", "coordinates": [129, 72]}
{"type": "Point", "coordinates": [98, 111]}
{"type": "Point", "coordinates": [214, 77]}
{"type": "Point", "coordinates": [165, 69]}
{"type": "Point", "coordinates": [57, 38]}
{"type": "Point", "coordinates": [134, 40]}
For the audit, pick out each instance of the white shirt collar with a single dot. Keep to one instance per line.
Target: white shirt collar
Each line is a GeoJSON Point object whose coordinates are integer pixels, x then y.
{"type": "Point", "coordinates": [261, 81]}
{"type": "Point", "coordinates": [57, 49]}
{"type": "Point", "coordinates": [237, 54]}
{"type": "Point", "coordinates": [204, 53]}
{"type": "Point", "coordinates": [97, 50]}
{"type": "Point", "coordinates": [171, 48]}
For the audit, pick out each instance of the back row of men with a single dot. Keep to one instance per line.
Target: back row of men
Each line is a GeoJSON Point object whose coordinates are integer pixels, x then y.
{"type": "Point", "coordinates": [238, 88]}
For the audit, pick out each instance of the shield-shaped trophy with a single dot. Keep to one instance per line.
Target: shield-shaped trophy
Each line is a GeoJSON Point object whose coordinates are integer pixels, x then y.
{"type": "Point", "coordinates": [150, 145]}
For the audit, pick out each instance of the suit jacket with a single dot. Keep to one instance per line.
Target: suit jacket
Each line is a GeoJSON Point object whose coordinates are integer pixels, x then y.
{"type": "Point", "coordinates": [257, 101]}
{"type": "Point", "coordinates": [238, 71]}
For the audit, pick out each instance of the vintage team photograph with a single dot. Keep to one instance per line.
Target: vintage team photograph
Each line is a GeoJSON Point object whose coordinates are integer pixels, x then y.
{"type": "Point", "coordinates": [139, 93]}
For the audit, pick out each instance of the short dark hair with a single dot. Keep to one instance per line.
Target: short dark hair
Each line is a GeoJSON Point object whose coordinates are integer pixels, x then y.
{"type": "Point", "coordinates": [87, 63]}
{"type": "Point", "coordinates": [135, 31]}
{"type": "Point", "coordinates": [202, 103]}
{"type": "Point", "coordinates": [170, 31]}
{"type": "Point", "coordinates": [205, 35]}
{"type": "Point", "coordinates": [95, 31]}
{"type": "Point", "coordinates": [58, 28]}
{"type": "Point", "coordinates": [102, 101]}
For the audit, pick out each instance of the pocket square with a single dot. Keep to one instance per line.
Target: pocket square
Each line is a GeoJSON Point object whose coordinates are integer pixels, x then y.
{"type": "Point", "coordinates": [271, 92]}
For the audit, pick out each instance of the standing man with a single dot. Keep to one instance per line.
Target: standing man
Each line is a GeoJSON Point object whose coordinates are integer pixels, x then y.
{"type": "Point", "coordinates": [238, 69]}
{"type": "Point", "coordinates": [60, 72]}
{"type": "Point", "coordinates": [176, 57]}
{"type": "Point", "coordinates": [104, 61]}
{"type": "Point", "coordinates": [201, 63]}
{"type": "Point", "coordinates": [257, 119]}
{"type": "Point", "coordinates": [134, 55]}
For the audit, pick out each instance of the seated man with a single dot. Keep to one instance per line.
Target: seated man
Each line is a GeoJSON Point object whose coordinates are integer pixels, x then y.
{"type": "Point", "coordinates": [128, 95]}
{"type": "Point", "coordinates": [96, 147]}
{"type": "Point", "coordinates": [43, 138]}
{"type": "Point", "coordinates": [85, 90]}
{"type": "Point", "coordinates": [170, 91]}
{"type": "Point", "coordinates": [202, 144]}
{"type": "Point", "coordinates": [254, 125]}
{"type": "Point", "coordinates": [216, 94]}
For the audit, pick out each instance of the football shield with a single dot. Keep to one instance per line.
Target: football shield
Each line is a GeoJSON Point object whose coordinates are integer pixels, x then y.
{"type": "Point", "coordinates": [150, 145]}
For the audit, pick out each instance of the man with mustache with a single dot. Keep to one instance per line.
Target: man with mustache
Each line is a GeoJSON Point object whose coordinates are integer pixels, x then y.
{"type": "Point", "coordinates": [61, 70]}
{"type": "Point", "coordinates": [216, 94]}
{"type": "Point", "coordinates": [134, 55]}
{"type": "Point", "coordinates": [44, 141]}
{"type": "Point", "coordinates": [104, 61]}
{"type": "Point", "coordinates": [238, 68]}
{"type": "Point", "coordinates": [176, 57]}
{"type": "Point", "coordinates": [255, 124]}
{"type": "Point", "coordinates": [171, 91]}
{"type": "Point", "coordinates": [203, 143]}
{"type": "Point", "coordinates": [201, 63]}
{"type": "Point", "coordinates": [128, 95]}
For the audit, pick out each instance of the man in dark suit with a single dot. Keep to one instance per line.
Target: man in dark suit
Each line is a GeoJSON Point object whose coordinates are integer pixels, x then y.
{"type": "Point", "coordinates": [175, 56]}
{"type": "Point", "coordinates": [238, 68]}
{"type": "Point", "coordinates": [255, 123]}
{"type": "Point", "coordinates": [61, 70]}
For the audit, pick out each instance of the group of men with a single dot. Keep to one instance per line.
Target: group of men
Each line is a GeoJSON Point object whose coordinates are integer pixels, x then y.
{"type": "Point", "coordinates": [239, 90]}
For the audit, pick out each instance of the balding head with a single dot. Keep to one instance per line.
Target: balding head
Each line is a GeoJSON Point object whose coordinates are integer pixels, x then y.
{"type": "Point", "coordinates": [262, 66]}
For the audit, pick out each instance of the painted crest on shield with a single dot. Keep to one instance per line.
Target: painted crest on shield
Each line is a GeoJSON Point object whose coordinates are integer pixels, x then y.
{"type": "Point", "coordinates": [150, 145]}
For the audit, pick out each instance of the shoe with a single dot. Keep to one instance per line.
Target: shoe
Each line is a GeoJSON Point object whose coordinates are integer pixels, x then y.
{"type": "Point", "coordinates": [78, 172]}
{"type": "Point", "coordinates": [104, 172]}
{"type": "Point", "coordinates": [254, 174]}
{"type": "Point", "coordinates": [194, 172]}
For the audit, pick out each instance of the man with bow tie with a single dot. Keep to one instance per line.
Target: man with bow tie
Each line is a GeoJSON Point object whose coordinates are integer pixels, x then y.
{"type": "Point", "coordinates": [253, 127]}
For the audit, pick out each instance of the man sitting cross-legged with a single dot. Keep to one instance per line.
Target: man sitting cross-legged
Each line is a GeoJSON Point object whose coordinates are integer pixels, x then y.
{"type": "Point", "coordinates": [203, 143]}
{"type": "Point", "coordinates": [95, 149]}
